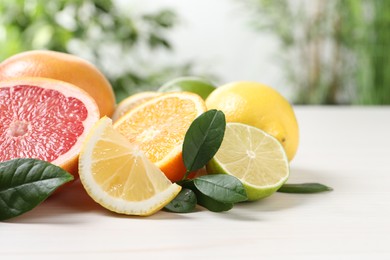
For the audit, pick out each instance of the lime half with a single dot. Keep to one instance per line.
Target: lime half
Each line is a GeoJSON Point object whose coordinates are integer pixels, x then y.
{"type": "Point", "coordinates": [196, 85]}
{"type": "Point", "coordinates": [256, 158]}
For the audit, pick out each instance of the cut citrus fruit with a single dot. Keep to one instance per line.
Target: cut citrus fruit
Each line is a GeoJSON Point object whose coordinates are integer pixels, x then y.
{"type": "Point", "coordinates": [131, 102]}
{"type": "Point", "coordinates": [65, 67]}
{"type": "Point", "coordinates": [256, 158]}
{"type": "Point", "coordinates": [118, 176]}
{"type": "Point", "coordinates": [261, 106]}
{"type": "Point", "coordinates": [44, 119]}
{"type": "Point", "coordinates": [159, 125]}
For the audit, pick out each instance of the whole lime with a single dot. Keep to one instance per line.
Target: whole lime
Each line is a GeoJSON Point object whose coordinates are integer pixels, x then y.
{"type": "Point", "coordinates": [196, 85]}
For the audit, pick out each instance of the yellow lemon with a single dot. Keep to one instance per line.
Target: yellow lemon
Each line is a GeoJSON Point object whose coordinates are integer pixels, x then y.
{"type": "Point", "coordinates": [117, 174]}
{"type": "Point", "coordinates": [260, 106]}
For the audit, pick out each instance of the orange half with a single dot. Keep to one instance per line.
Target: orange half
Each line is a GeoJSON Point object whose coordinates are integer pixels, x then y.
{"type": "Point", "coordinates": [158, 127]}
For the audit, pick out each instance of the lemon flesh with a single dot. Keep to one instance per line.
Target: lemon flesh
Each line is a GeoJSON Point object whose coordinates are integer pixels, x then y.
{"type": "Point", "coordinates": [118, 176]}
{"type": "Point", "coordinates": [260, 106]}
{"type": "Point", "coordinates": [256, 158]}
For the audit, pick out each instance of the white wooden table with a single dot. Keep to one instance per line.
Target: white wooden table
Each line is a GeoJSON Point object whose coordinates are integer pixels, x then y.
{"type": "Point", "coordinates": [347, 148]}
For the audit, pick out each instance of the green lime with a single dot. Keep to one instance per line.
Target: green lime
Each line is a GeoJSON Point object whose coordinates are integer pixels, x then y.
{"type": "Point", "coordinates": [256, 158]}
{"type": "Point", "coordinates": [196, 85]}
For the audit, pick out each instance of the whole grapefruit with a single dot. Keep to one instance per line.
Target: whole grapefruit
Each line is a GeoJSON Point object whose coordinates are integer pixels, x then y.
{"type": "Point", "coordinates": [65, 67]}
{"type": "Point", "coordinates": [44, 119]}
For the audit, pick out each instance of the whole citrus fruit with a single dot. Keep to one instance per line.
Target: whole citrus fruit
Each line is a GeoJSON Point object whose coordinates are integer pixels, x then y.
{"type": "Point", "coordinates": [196, 85]}
{"type": "Point", "coordinates": [65, 67]}
{"type": "Point", "coordinates": [261, 106]}
{"type": "Point", "coordinates": [44, 119]}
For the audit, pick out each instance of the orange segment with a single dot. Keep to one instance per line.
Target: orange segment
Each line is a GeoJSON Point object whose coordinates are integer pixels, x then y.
{"type": "Point", "coordinates": [158, 127]}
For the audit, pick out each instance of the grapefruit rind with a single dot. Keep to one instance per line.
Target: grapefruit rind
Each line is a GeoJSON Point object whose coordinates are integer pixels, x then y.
{"type": "Point", "coordinates": [65, 67]}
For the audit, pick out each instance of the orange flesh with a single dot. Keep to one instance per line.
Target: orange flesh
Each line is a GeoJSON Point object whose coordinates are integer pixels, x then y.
{"type": "Point", "coordinates": [159, 128]}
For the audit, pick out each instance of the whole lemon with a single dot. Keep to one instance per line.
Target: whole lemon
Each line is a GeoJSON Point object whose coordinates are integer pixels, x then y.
{"type": "Point", "coordinates": [261, 106]}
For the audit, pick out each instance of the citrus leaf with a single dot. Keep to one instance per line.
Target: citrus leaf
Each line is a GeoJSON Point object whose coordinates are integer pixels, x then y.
{"type": "Point", "coordinates": [212, 204]}
{"type": "Point", "coordinates": [221, 187]}
{"type": "Point", "coordinates": [203, 139]}
{"type": "Point", "coordinates": [184, 202]}
{"type": "Point", "coordinates": [206, 201]}
{"type": "Point", "coordinates": [25, 183]}
{"type": "Point", "coordinates": [304, 188]}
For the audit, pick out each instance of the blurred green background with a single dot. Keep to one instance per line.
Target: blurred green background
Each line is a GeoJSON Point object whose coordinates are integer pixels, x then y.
{"type": "Point", "coordinates": [97, 30]}
{"type": "Point", "coordinates": [331, 51]}
{"type": "Point", "coordinates": [336, 51]}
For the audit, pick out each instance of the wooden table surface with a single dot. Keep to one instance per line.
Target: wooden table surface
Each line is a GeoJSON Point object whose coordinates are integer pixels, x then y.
{"type": "Point", "coordinates": [347, 148]}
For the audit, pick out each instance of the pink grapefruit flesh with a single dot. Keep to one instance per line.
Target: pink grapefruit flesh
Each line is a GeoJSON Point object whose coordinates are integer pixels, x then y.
{"type": "Point", "coordinates": [44, 119]}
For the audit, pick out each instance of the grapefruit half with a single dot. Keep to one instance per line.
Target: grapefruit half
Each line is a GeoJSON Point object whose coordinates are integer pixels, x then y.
{"type": "Point", "coordinates": [65, 67]}
{"type": "Point", "coordinates": [44, 119]}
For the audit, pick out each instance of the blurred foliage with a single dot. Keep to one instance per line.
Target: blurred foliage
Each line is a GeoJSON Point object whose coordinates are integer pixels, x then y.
{"type": "Point", "coordinates": [333, 52]}
{"type": "Point", "coordinates": [119, 41]}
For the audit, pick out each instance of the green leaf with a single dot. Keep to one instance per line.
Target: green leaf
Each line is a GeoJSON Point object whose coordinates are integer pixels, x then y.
{"type": "Point", "coordinates": [184, 202]}
{"type": "Point", "coordinates": [304, 188]}
{"type": "Point", "coordinates": [206, 201]}
{"type": "Point", "coordinates": [104, 5]}
{"type": "Point", "coordinates": [221, 187]}
{"type": "Point", "coordinates": [212, 204]}
{"type": "Point", "coordinates": [25, 183]}
{"type": "Point", "coordinates": [203, 139]}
